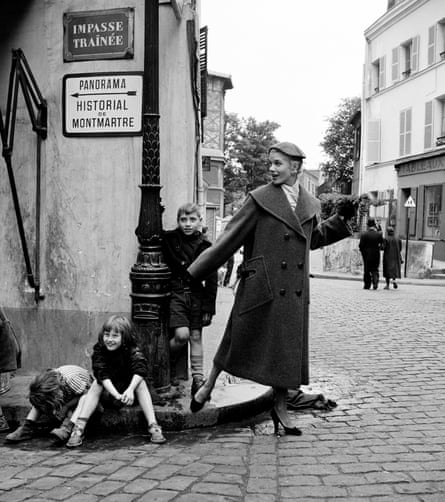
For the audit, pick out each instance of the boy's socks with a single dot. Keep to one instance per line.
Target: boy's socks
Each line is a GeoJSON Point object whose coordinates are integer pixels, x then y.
{"type": "Point", "coordinates": [81, 423]}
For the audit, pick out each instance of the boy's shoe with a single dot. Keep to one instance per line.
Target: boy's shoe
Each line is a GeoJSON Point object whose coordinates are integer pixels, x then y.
{"type": "Point", "coordinates": [62, 433]}
{"type": "Point", "coordinates": [394, 284]}
{"type": "Point", "coordinates": [22, 433]}
{"type": "Point", "coordinates": [197, 382]}
{"type": "Point", "coordinates": [156, 434]}
{"type": "Point", "coordinates": [76, 438]}
{"type": "Point", "coordinates": [4, 426]}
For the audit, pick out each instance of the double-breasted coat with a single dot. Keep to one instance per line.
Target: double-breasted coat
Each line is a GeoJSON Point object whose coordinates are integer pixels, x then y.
{"type": "Point", "coordinates": [266, 337]}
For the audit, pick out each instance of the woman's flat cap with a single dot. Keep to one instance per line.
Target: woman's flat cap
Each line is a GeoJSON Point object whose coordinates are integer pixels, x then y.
{"type": "Point", "coordinates": [288, 149]}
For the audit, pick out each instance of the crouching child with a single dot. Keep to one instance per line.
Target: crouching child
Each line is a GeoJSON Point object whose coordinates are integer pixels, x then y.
{"type": "Point", "coordinates": [54, 394]}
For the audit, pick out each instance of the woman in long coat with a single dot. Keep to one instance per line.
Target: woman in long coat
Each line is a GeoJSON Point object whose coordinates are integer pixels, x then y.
{"type": "Point", "coordinates": [392, 259]}
{"type": "Point", "coordinates": [266, 337]}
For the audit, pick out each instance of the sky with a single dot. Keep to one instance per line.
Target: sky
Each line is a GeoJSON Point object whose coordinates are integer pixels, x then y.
{"type": "Point", "coordinates": [291, 61]}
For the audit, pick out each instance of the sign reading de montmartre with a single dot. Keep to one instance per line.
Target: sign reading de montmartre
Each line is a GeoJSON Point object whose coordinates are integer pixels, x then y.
{"type": "Point", "coordinates": [102, 104]}
{"type": "Point", "coordinates": [98, 34]}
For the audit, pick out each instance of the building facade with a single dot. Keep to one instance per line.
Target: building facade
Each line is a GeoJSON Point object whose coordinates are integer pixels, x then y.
{"type": "Point", "coordinates": [90, 198]}
{"type": "Point", "coordinates": [403, 120]}
{"type": "Point", "coordinates": [212, 150]}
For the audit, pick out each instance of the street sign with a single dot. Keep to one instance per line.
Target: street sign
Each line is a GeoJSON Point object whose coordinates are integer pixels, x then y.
{"type": "Point", "coordinates": [102, 104]}
{"type": "Point", "coordinates": [410, 202]}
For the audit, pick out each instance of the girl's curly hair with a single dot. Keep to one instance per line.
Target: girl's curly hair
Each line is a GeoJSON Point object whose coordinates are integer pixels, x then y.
{"type": "Point", "coordinates": [124, 326]}
{"type": "Point", "coordinates": [46, 392]}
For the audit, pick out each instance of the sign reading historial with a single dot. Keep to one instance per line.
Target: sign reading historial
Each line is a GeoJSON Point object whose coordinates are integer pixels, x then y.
{"type": "Point", "coordinates": [98, 34]}
{"type": "Point", "coordinates": [102, 104]}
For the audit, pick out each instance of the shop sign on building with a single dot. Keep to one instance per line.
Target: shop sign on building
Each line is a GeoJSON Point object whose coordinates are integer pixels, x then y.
{"type": "Point", "coordinates": [102, 104]}
{"type": "Point", "coordinates": [98, 34]}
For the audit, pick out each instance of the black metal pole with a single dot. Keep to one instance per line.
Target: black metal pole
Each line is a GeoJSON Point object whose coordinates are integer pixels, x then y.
{"type": "Point", "coordinates": [150, 275]}
{"type": "Point", "coordinates": [407, 239]}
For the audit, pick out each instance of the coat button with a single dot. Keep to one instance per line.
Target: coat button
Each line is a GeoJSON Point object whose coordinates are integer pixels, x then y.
{"type": "Point", "coordinates": [298, 292]}
{"type": "Point", "coordinates": [283, 265]}
{"type": "Point", "coordinates": [286, 236]}
{"type": "Point", "coordinates": [301, 264]}
{"type": "Point", "coordinates": [282, 292]}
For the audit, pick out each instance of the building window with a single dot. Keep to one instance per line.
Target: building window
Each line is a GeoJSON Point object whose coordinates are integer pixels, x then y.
{"type": "Point", "coordinates": [206, 163]}
{"type": "Point", "coordinates": [428, 138]}
{"type": "Point", "coordinates": [405, 132]}
{"type": "Point", "coordinates": [357, 142]}
{"type": "Point", "coordinates": [378, 76]}
{"type": "Point", "coordinates": [395, 72]}
{"type": "Point", "coordinates": [410, 56]}
{"type": "Point", "coordinates": [431, 212]}
{"type": "Point", "coordinates": [431, 45]}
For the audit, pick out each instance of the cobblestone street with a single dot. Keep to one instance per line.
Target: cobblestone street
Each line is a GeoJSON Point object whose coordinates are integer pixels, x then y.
{"type": "Point", "coordinates": [379, 354]}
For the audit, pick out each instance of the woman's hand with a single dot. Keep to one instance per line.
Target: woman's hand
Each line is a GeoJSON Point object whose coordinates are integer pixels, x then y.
{"type": "Point", "coordinates": [128, 397]}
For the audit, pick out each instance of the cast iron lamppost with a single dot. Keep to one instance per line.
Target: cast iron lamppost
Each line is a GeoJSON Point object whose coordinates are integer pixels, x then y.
{"type": "Point", "coordinates": [150, 276]}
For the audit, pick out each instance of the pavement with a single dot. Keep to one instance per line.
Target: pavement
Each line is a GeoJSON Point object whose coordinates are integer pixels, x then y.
{"type": "Point", "coordinates": [379, 354]}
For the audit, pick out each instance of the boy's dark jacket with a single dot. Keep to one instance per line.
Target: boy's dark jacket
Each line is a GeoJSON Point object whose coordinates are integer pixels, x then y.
{"type": "Point", "coordinates": [178, 261]}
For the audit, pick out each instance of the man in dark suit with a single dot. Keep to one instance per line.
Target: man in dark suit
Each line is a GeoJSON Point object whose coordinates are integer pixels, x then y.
{"type": "Point", "coordinates": [370, 245]}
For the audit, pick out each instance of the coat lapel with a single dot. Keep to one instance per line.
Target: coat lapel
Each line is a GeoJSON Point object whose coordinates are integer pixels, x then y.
{"type": "Point", "coordinates": [307, 206]}
{"type": "Point", "coordinates": [273, 200]}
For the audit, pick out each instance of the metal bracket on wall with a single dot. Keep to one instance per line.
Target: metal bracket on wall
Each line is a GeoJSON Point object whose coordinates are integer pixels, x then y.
{"type": "Point", "coordinates": [38, 112]}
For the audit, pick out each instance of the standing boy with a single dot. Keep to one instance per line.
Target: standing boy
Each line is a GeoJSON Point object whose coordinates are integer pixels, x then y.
{"type": "Point", "coordinates": [192, 303]}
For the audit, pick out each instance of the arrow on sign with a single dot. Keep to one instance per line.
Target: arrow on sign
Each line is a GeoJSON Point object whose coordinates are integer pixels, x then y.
{"type": "Point", "coordinates": [128, 93]}
{"type": "Point", "coordinates": [410, 202]}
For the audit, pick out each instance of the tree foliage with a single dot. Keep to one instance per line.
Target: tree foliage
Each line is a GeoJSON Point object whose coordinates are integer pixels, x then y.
{"type": "Point", "coordinates": [246, 145]}
{"type": "Point", "coordinates": [338, 142]}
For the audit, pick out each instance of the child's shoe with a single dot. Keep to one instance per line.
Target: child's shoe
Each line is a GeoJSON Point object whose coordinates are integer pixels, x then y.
{"type": "Point", "coordinates": [76, 437]}
{"type": "Point", "coordinates": [197, 382]}
{"type": "Point", "coordinates": [394, 284]}
{"type": "Point", "coordinates": [4, 426]}
{"type": "Point", "coordinates": [62, 434]}
{"type": "Point", "coordinates": [156, 434]}
{"type": "Point", "coordinates": [22, 433]}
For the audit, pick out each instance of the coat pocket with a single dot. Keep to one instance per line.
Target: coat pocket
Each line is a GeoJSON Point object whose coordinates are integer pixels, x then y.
{"type": "Point", "coordinates": [254, 289]}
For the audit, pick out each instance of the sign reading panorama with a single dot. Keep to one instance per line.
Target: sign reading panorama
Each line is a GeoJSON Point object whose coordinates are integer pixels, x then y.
{"type": "Point", "coordinates": [102, 104]}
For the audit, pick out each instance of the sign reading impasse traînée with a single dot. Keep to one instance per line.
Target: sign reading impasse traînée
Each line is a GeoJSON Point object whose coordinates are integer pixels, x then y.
{"type": "Point", "coordinates": [102, 104]}
{"type": "Point", "coordinates": [98, 34]}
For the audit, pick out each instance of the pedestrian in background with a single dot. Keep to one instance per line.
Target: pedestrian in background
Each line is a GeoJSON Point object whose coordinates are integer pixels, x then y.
{"type": "Point", "coordinates": [370, 245]}
{"type": "Point", "coordinates": [266, 337]}
{"type": "Point", "coordinates": [192, 304]}
{"type": "Point", "coordinates": [53, 394]}
{"type": "Point", "coordinates": [392, 258]}
{"type": "Point", "coordinates": [119, 368]}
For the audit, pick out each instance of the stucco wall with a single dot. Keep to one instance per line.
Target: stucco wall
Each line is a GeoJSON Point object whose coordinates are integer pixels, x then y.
{"type": "Point", "coordinates": [90, 194]}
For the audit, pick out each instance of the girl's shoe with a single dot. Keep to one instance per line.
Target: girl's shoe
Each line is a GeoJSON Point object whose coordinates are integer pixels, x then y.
{"type": "Point", "coordinates": [76, 438]}
{"type": "Point", "coordinates": [4, 426]}
{"type": "Point", "coordinates": [196, 405]}
{"type": "Point", "coordinates": [62, 434]}
{"type": "Point", "coordinates": [22, 433]}
{"type": "Point", "coordinates": [156, 434]}
{"type": "Point", "coordinates": [292, 431]}
{"type": "Point", "coordinates": [394, 284]}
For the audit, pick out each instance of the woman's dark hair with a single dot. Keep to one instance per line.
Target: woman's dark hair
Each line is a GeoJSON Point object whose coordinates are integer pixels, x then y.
{"type": "Point", "coordinates": [124, 326]}
{"type": "Point", "coordinates": [46, 392]}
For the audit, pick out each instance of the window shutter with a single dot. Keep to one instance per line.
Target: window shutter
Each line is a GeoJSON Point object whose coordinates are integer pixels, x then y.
{"type": "Point", "coordinates": [431, 44]}
{"type": "Point", "coordinates": [408, 132]}
{"type": "Point", "coordinates": [415, 54]}
{"type": "Point", "coordinates": [373, 143]}
{"type": "Point", "coordinates": [203, 68]}
{"type": "Point", "coordinates": [402, 133]}
{"type": "Point", "coordinates": [428, 140]}
{"type": "Point", "coordinates": [395, 64]}
{"type": "Point", "coordinates": [382, 77]}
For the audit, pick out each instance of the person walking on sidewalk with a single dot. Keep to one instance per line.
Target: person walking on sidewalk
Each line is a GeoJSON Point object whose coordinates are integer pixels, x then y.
{"type": "Point", "coordinates": [53, 394]}
{"type": "Point", "coordinates": [370, 245]}
{"type": "Point", "coordinates": [119, 368]}
{"type": "Point", "coordinates": [392, 258]}
{"type": "Point", "coordinates": [266, 337]}
{"type": "Point", "coordinates": [192, 304]}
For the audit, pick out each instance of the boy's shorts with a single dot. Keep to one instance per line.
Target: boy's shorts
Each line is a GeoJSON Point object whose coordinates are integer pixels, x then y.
{"type": "Point", "coordinates": [185, 310]}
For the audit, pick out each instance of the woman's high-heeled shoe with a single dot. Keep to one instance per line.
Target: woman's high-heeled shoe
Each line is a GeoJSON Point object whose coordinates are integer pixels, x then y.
{"type": "Point", "coordinates": [196, 405]}
{"type": "Point", "coordinates": [291, 431]}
